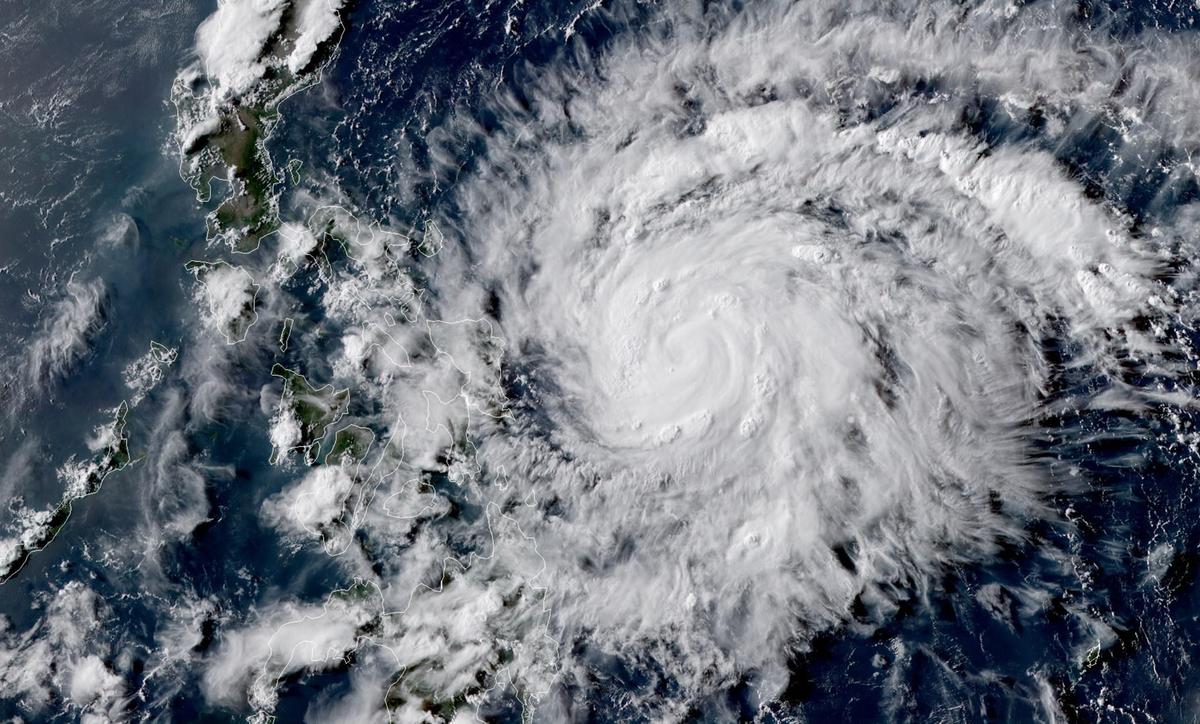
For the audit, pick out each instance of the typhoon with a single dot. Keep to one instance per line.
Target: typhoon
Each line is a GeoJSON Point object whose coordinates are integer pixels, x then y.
{"type": "Point", "coordinates": [785, 330]}
{"type": "Point", "coordinates": [730, 331]}
{"type": "Point", "coordinates": [678, 361]}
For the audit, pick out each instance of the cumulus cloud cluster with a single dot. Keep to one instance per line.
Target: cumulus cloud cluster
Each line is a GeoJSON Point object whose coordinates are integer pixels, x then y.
{"type": "Point", "coordinates": [65, 658]}
{"type": "Point", "coordinates": [63, 341]}
{"type": "Point", "coordinates": [227, 294]}
{"type": "Point", "coordinates": [233, 42]}
{"type": "Point", "coordinates": [249, 52]}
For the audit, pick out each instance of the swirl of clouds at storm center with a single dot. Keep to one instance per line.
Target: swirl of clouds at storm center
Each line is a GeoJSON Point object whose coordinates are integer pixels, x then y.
{"type": "Point", "coordinates": [602, 360]}
{"type": "Point", "coordinates": [764, 362]}
{"type": "Point", "coordinates": [726, 331]}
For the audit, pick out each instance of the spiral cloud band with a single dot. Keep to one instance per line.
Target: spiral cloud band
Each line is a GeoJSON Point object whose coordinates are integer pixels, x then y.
{"type": "Point", "coordinates": [731, 330]}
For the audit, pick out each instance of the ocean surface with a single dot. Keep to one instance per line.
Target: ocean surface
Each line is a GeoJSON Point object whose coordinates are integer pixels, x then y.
{"type": "Point", "coordinates": [564, 361]}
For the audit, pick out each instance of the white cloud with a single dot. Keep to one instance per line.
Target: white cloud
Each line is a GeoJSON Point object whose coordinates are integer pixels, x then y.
{"type": "Point", "coordinates": [296, 242]}
{"type": "Point", "coordinates": [285, 433]}
{"type": "Point", "coordinates": [293, 638]}
{"type": "Point", "coordinates": [311, 504]}
{"type": "Point", "coordinates": [63, 655]}
{"type": "Point", "coordinates": [232, 40]}
{"type": "Point", "coordinates": [228, 296]}
{"type": "Point", "coordinates": [317, 22]}
{"type": "Point", "coordinates": [91, 680]}
{"type": "Point", "coordinates": [65, 336]}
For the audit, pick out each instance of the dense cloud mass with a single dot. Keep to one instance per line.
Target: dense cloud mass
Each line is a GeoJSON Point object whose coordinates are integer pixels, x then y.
{"type": "Point", "coordinates": [693, 361]}
{"type": "Point", "coordinates": [749, 326]}
{"type": "Point", "coordinates": [776, 323]}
